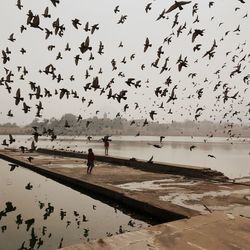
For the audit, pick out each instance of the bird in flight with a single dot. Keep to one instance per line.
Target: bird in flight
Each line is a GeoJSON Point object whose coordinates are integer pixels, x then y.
{"type": "Point", "coordinates": [177, 4]}
{"type": "Point", "coordinates": [85, 46]}
{"type": "Point", "coordinates": [55, 2]}
{"type": "Point", "coordinates": [13, 166]}
{"type": "Point", "coordinates": [147, 44]}
{"type": "Point", "coordinates": [19, 4]}
{"type": "Point", "coordinates": [211, 156]}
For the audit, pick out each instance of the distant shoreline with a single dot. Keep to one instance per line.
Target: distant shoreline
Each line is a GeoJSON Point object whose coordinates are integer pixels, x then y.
{"type": "Point", "coordinates": [123, 127]}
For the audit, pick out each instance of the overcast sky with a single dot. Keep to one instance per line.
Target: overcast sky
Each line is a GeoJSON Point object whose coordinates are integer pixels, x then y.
{"type": "Point", "coordinates": [211, 77]}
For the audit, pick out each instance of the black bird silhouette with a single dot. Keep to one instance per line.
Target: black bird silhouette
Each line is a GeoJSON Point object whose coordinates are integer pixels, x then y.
{"type": "Point", "coordinates": [148, 7]}
{"type": "Point", "coordinates": [88, 123]}
{"type": "Point", "coordinates": [29, 223]}
{"type": "Point", "coordinates": [77, 59]}
{"type": "Point", "coordinates": [161, 138]}
{"type": "Point", "coordinates": [122, 19]}
{"type": "Point", "coordinates": [76, 22]}
{"type": "Point", "coordinates": [85, 46]}
{"type": "Point", "coordinates": [182, 63]}
{"type": "Point", "coordinates": [210, 4]}
{"type": "Point", "coordinates": [147, 44]}
{"type": "Point", "coordinates": [29, 186]}
{"type": "Point", "coordinates": [5, 57]}
{"type": "Point", "coordinates": [161, 15]}
{"type": "Point", "coordinates": [116, 10]}
{"type": "Point", "coordinates": [11, 139]}
{"type": "Point", "coordinates": [211, 156]}
{"type": "Point", "coordinates": [30, 158]}
{"type": "Point", "coordinates": [86, 27]}
{"type": "Point", "coordinates": [196, 33]}
{"type": "Point", "coordinates": [3, 228]}
{"type": "Point", "coordinates": [152, 113]}
{"type": "Point", "coordinates": [67, 48]}
{"type": "Point", "coordinates": [13, 166]}
{"type": "Point", "coordinates": [19, 220]}
{"type": "Point", "coordinates": [177, 4]}
{"type": "Point", "coordinates": [55, 2]}
{"type": "Point", "coordinates": [19, 4]}
{"type": "Point", "coordinates": [18, 97]}
{"type": "Point", "coordinates": [11, 38]}
{"type": "Point", "coordinates": [48, 33]}
{"type": "Point", "coordinates": [196, 47]}
{"type": "Point", "coordinates": [94, 28]}
{"type": "Point", "coordinates": [35, 22]}
{"type": "Point", "coordinates": [23, 51]}
{"type": "Point", "coordinates": [9, 207]}
{"type": "Point", "coordinates": [46, 13]}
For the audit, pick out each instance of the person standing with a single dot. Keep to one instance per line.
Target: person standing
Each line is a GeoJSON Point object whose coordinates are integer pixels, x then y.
{"type": "Point", "coordinates": [91, 161]}
{"type": "Point", "coordinates": [106, 146]}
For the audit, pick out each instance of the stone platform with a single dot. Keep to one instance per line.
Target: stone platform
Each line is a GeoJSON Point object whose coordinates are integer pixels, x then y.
{"type": "Point", "coordinates": [163, 195]}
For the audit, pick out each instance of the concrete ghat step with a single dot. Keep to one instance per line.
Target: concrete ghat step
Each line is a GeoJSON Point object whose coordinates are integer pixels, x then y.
{"type": "Point", "coordinates": [206, 232]}
{"type": "Point", "coordinates": [156, 167]}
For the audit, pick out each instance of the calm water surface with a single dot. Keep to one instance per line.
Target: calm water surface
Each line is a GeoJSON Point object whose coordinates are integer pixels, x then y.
{"type": "Point", "coordinates": [232, 157]}
{"type": "Point", "coordinates": [51, 215]}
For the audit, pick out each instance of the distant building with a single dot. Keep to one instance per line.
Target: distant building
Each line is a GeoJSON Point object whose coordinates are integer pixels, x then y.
{"type": "Point", "coordinates": [105, 116]}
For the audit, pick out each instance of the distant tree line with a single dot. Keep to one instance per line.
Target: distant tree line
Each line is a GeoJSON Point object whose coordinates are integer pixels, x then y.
{"type": "Point", "coordinates": [70, 124]}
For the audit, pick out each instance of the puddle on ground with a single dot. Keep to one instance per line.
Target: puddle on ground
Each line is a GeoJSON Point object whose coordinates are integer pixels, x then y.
{"type": "Point", "coordinates": [39, 213]}
{"type": "Point", "coordinates": [185, 200]}
{"type": "Point", "coordinates": [69, 165]}
{"type": "Point", "coordinates": [242, 180]}
{"type": "Point", "coordinates": [240, 210]}
{"type": "Point", "coordinates": [156, 185]}
{"type": "Point", "coordinates": [40, 157]}
{"type": "Point", "coordinates": [66, 165]}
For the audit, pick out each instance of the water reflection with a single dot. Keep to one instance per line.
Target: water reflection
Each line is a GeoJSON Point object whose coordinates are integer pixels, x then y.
{"type": "Point", "coordinates": [48, 215]}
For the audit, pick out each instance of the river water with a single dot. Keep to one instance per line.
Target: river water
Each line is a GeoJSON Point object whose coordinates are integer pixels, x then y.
{"type": "Point", "coordinates": [47, 215]}
{"type": "Point", "coordinates": [232, 157]}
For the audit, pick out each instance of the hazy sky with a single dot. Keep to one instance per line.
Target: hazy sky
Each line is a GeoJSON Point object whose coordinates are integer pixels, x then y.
{"type": "Point", "coordinates": [211, 78]}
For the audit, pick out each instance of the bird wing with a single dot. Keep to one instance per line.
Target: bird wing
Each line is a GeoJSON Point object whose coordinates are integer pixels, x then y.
{"type": "Point", "coordinates": [87, 42]}
{"type": "Point", "coordinates": [184, 2]}
{"type": "Point", "coordinates": [194, 36]}
{"type": "Point", "coordinates": [146, 44]}
{"type": "Point", "coordinates": [171, 8]}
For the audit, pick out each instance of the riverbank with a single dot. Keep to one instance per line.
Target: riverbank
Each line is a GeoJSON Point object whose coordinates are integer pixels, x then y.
{"type": "Point", "coordinates": [165, 196]}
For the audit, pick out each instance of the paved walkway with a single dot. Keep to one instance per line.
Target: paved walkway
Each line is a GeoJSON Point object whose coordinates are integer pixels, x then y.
{"type": "Point", "coordinates": [217, 231]}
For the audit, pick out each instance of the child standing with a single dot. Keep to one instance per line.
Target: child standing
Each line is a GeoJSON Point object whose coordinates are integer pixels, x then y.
{"type": "Point", "coordinates": [91, 159]}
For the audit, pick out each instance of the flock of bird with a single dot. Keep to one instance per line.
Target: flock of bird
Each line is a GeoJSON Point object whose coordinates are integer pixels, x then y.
{"type": "Point", "coordinates": [165, 95]}
{"type": "Point", "coordinates": [228, 84]}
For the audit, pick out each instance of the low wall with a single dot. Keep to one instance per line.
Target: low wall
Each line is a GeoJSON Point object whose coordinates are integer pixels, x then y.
{"type": "Point", "coordinates": [156, 167]}
{"type": "Point", "coordinates": [140, 206]}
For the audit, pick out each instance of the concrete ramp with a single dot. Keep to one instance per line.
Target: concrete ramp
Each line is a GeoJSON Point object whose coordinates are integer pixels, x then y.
{"type": "Point", "coordinates": [217, 231]}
